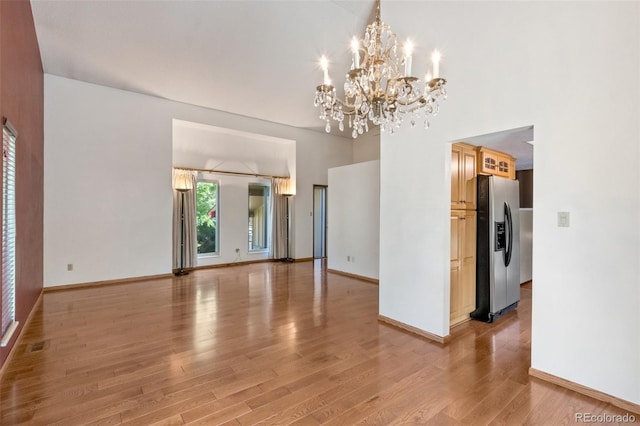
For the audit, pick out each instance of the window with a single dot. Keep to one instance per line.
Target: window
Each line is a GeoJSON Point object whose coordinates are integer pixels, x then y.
{"type": "Point", "coordinates": [207, 216]}
{"type": "Point", "coordinates": [258, 217]}
{"type": "Point", "coordinates": [8, 306]}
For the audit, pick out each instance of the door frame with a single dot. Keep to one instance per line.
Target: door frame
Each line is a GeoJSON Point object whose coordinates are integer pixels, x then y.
{"type": "Point", "coordinates": [313, 222]}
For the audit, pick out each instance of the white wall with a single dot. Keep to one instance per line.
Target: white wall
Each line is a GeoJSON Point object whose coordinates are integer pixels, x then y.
{"type": "Point", "coordinates": [551, 65]}
{"type": "Point", "coordinates": [354, 219]}
{"type": "Point", "coordinates": [108, 179]}
{"type": "Point", "coordinates": [366, 147]}
{"type": "Point", "coordinates": [313, 159]}
{"type": "Point", "coordinates": [526, 245]}
{"type": "Point", "coordinates": [107, 193]}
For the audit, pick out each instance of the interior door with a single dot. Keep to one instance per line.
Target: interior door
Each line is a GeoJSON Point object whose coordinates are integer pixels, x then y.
{"type": "Point", "coordinates": [319, 221]}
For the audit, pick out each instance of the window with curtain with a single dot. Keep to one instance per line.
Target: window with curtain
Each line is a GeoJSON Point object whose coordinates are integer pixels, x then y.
{"type": "Point", "coordinates": [258, 217]}
{"type": "Point", "coordinates": [207, 216]}
{"type": "Point", "coordinates": [8, 306]}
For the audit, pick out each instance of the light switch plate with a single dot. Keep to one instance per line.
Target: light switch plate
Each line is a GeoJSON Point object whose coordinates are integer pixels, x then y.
{"type": "Point", "coordinates": [563, 219]}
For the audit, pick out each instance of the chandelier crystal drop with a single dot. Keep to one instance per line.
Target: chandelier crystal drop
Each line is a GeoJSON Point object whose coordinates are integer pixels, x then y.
{"type": "Point", "coordinates": [377, 88]}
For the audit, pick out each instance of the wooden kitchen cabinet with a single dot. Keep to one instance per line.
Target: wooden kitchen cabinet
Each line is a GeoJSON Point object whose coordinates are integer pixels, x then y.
{"type": "Point", "coordinates": [463, 176]}
{"type": "Point", "coordinates": [496, 163]}
{"type": "Point", "coordinates": [463, 265]}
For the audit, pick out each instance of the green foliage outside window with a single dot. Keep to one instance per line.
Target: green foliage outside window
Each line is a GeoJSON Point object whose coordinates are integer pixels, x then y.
{"type": "Point", "coordinates": [207, 216]}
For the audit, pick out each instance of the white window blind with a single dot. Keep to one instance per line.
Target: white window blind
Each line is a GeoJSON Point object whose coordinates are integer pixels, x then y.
{"type": "Point", "coordinates": [9, 324]}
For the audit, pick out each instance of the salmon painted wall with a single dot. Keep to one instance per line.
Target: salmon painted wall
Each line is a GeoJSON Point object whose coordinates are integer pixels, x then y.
{"type": "Point", "coordinates": [22, 103]}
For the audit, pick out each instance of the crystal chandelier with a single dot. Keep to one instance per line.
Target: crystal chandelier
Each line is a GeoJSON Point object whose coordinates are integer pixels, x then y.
{"type": "Point", "coordinates": [377, 88]}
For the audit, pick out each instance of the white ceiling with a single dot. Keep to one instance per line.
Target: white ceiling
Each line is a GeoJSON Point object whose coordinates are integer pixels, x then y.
{"type": "Point", "coordinates": [253, 58]}
{"type": "Point", "coordinates": [206, 147]}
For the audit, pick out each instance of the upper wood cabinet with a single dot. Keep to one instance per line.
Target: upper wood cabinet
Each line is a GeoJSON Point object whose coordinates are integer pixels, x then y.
{"type": "Point", "coordinates": [496, 163]}
{"type": "Point", "coordinates": [463, 176]}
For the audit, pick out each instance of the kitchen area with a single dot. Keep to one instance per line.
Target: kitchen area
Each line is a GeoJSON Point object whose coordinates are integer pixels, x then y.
{"type": "Point", "coordinates": [491, 223]}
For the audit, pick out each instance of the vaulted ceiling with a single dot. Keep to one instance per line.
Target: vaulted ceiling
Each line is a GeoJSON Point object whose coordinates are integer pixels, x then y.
{"type": "Point", "coordinates": [253, 58]}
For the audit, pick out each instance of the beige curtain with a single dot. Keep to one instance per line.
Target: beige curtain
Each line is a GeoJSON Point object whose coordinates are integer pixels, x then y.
{"type": "Point", "coordinates": [181, 176]}
{"type": "Point", "coordinates": [281, 186]}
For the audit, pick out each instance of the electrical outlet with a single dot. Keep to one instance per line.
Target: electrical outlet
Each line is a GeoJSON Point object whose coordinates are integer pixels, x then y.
{"type": "Point", "coordinates": [69, 266]}
{"type": "Point", "coordinates": [237, 250]}
{"type": "Point", "coordinates": [348, 258]}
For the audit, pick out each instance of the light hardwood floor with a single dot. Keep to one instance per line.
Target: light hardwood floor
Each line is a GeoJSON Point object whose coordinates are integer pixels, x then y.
{"type": "Point", "coordinates": [269, 344]}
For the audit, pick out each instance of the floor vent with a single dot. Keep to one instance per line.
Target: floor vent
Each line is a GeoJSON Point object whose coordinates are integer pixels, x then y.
{"type": "Point", "coordinates": [36, 347]}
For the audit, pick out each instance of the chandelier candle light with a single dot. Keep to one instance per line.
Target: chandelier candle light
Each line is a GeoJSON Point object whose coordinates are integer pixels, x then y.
{"type": "Point", "coordinates": [375, 90]}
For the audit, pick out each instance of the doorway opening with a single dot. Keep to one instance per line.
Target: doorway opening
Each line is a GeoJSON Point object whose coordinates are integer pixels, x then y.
{"type": "Point", "coordinates": [319, 221]}
{"type": "Point", "coordinates": [507, 155]}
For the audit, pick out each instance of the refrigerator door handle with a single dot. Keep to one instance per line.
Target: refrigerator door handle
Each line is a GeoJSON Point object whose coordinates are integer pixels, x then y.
{"type": "Point", "coordinates": [509, 230]}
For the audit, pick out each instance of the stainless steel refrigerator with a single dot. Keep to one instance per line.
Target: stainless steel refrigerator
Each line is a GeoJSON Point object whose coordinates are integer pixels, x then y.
{"type": "Point", "coordinates": [498, 247]}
